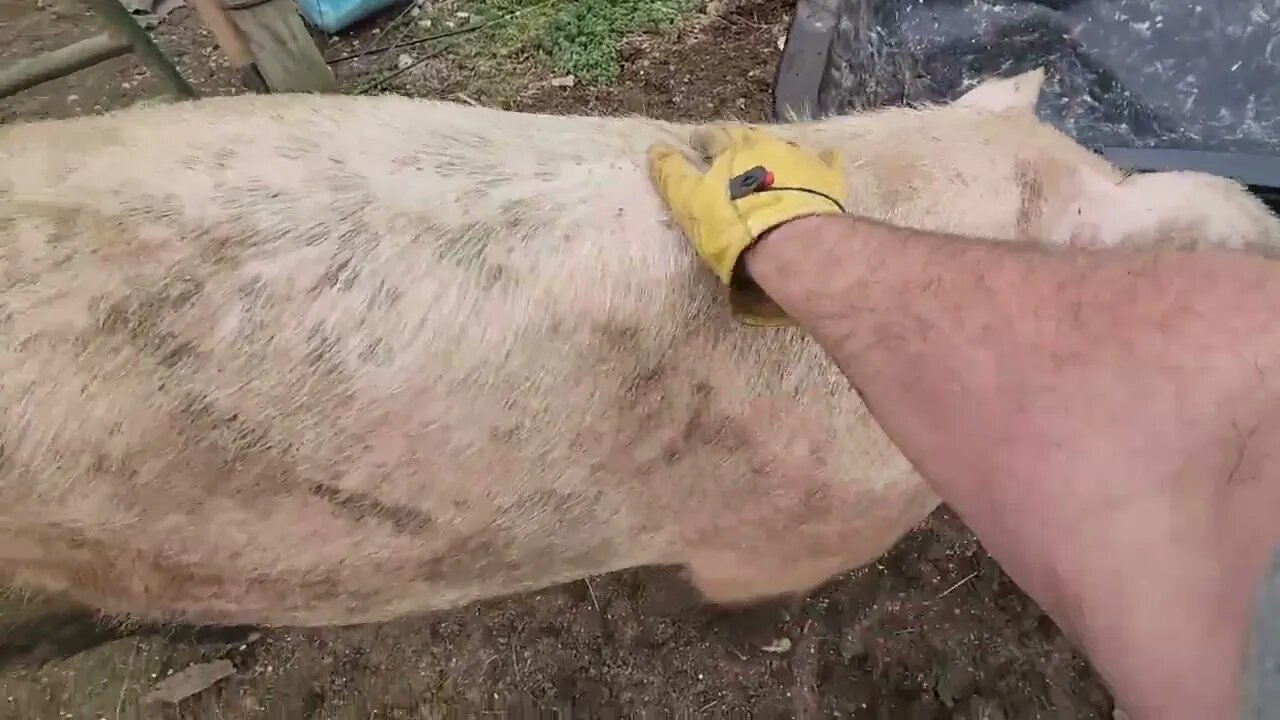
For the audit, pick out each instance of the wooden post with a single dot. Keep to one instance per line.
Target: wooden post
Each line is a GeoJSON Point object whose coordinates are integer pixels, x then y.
{"type": "Point", "coordinates": [232, 43]}
{"type": "Point", "coordinates": [23, 74]}
{"type": "Point", "coordinates": [282, 49]}
{"type": "Point", "coordinates": [229, 38]}
{"type": "Point", "coordinates": [114, 14]}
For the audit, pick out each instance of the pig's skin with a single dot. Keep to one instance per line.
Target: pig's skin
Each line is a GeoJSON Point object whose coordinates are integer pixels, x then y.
{"type": "Point", "coordinates": [313, 360]}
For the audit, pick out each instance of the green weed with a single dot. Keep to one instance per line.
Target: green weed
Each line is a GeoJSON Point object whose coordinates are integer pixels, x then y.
{"type": "Point", "coordinates": [577, 37]}
{"type": "Point", "coordinates": [584, 34]}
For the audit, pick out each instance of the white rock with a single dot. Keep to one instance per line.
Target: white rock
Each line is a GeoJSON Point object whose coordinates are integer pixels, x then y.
{"type": "Point", "coordinates": [781, 645]}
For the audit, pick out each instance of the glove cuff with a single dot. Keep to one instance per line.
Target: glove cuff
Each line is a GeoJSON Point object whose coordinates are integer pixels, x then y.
{"type": "Point", "coordinates": [750, 303]}
{"type": "Point", "coordinates": [762, 220]}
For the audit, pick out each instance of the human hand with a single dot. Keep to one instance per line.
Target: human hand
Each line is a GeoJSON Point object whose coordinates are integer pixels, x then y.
{"type": "Point", "coordinates": [755, 183]}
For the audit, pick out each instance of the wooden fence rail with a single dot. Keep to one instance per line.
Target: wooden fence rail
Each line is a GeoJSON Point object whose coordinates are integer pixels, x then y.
{"type": "Point", "coordinates": [265, 40]}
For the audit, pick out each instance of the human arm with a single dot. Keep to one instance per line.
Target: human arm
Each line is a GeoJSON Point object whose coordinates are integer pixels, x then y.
{"type": "Point", "coordinates": [1104, 421]}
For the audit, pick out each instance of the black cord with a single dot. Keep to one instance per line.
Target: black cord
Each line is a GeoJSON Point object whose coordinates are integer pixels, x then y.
{"type": "Point", "coordinates": [811, 191]}
{"type": "Point", "coordinates": [410, 43]}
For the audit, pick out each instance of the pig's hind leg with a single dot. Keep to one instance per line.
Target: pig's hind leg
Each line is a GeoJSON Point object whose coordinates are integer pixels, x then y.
{"type": "Point", "coordinates": [805, 506]}
{"type": "Point", "coordinates": [804, 542]}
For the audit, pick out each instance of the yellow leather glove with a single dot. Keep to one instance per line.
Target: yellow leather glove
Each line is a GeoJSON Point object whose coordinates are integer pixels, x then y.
{"type": "Point", "coordinates": [756, 182]}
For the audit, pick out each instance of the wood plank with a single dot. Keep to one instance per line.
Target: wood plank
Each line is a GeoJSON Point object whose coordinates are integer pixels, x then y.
{"type": "Point", "coordinates": [282, 49]}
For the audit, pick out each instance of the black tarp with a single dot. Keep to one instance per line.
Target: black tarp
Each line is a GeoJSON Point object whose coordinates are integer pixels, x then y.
{"type": "Point", "coordinates": [1153, 84]}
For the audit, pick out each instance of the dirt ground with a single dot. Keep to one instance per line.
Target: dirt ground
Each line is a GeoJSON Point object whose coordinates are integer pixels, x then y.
{"type": "Point", "coordinates": [934, 630]}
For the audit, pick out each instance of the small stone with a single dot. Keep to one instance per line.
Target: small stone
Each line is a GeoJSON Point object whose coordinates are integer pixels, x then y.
{"type": "Point", "coordinates": [852, 645]}
{"type": "Point", "coordinates": [566, 81]}
{"type": "Point", "coordinates": [197, 678]}
{"type": "Point", "coordinates": [424, 22]}
{"type": "Point", "coordinates": [779, 646]}
{"type": "Point", "coordinates": [404, 60]}
{"type": "Point", "coordinates": [981, 708]}
{"type": "Point", "coordinates": [462, 15]}
{"type": "Point", "coordinates": [782, 42]}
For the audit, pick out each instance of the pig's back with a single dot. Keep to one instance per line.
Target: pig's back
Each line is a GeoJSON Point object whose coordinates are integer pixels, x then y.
{"type": "Point", "coordinates": [295, 359]}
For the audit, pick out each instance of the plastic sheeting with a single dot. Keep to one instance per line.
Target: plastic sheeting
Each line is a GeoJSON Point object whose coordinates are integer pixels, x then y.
{"type": "Point", "coordinates": [1197, 74]}
{"type": "Point", "coordinates": [1154, 84]}
{"type": "Point", "coordinates": [332, 16]}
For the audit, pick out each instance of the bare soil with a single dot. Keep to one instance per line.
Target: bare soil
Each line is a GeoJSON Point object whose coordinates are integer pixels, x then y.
{"type": "Point", "coordinates": [934, 630]}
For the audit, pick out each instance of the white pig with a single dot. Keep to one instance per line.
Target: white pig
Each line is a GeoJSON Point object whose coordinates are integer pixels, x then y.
{"type": "Point", "coordinates": [323, 360]}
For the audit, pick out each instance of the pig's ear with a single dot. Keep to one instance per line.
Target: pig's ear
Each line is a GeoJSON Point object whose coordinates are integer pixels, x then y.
{"type": "Point", "coordinates": [1019, 92]}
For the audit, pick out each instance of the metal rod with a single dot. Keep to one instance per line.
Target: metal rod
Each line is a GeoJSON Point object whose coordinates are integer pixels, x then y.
{"type": "Point", "coordinates": [115, 15]}
{"type": "Point", "coordinates": [54, 64]}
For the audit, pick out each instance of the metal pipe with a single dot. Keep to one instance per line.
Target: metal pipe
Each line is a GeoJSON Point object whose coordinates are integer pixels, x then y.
{"type": "Point", "coordinates": [27, 73]}
{"type": "Point", "coordinates": [115, 15]}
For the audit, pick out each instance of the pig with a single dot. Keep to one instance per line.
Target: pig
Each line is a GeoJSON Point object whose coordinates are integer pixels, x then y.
{"type": "Point", "coordinates": [322, 360]}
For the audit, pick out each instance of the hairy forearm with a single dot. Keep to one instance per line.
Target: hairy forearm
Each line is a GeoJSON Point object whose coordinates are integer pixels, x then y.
{"type": "Point", "coordinates": [980, 329]}
{"type": "Point", "coordinates": [1034, 367]}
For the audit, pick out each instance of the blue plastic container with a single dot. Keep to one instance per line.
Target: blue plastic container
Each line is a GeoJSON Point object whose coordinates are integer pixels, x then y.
{"type": "Point", "coordinates": [333, 16]}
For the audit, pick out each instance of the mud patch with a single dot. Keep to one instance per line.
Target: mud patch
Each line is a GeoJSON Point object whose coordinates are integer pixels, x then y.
{"type": "Point", "coordinates": [1031, 198]}
{"type": "Point", "coordinates": [361, 506]}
